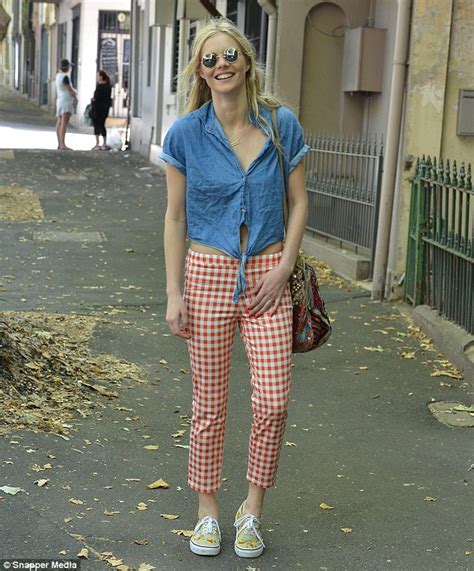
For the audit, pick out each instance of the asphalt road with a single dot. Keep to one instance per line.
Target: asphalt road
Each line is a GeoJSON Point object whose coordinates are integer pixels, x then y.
{"type": "Point", "coordinates": [360, 437]}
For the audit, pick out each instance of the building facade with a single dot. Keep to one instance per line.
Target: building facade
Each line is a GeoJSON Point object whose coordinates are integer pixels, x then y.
{"type": "Point", "coordinates": [92, 34]}
{"type": "Point", "coordinates": [401, 71]}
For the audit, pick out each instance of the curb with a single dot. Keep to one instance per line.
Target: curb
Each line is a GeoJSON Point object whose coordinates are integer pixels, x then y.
{"type": "Point", "coordinates": [454, 341]}
{"type": "Point", "coordinates": [344, 263]}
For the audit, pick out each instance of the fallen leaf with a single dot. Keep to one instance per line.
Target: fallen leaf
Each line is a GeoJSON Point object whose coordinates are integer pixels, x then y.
{"type": "Point", "coordinates": [181, 445]}
{"type": "Point", "coordinates": [185, 532]}
{"type": "Point", "coordinates": [449, 374]}
{"type": "Point", "coordinates": [408, 354]}
{"type": "Point", "coordinates": [102, 390]}
{"type": "Point", "coordinates": [114, 561]}
{"type": "Point", "coordinates": [377, 349]}
{"type": "Point", "coordinates": [163, 361]}
{"type": "Point", "coordinates": [364, 368]}
{"type": "Point", "coordinates": [151, 447]}
{"type": "Point", "coordinates": [142, 506]}
{"type": "Point", "coordinates": [287, 443]}
{"type": "Point", "coordinates": [141, 541]}
{"type": "Point", "coordinates": [145, 567]}
{"type": "Point", "coordinates": [429, 499]}
{"type": "Point", "coordinates": [42, 482]}
{"type": "Point", "coordinates": [346, 529]}
{"type": "Point", "coordinates": [169, 516]}
{"type": "Point", "coordinates": [84, 552]}
{"type": "Point", "coordinates": [325, 506]}
{"type": "Point", "coordinates": [37, 468]}
{"type": "Point", "coordinates": [67, 519]}
{"type": "Point", "coordinates": [11, 490]}
{"type": "Point", "coordinates": [76, 502]}
{"type": "Point", "coordinates": [158, 484]}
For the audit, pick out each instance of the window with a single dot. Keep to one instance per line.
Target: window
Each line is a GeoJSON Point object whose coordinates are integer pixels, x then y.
{"type": "Point", "coordinates": [256, 27]}
{"type": "Point", "coordinates": [249, 16]}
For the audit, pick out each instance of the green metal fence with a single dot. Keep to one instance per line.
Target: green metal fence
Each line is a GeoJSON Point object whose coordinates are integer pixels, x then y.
{"type": "Point", "coordinates": [440, 258]}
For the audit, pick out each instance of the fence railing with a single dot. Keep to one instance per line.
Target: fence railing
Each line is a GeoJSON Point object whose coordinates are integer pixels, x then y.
{"type": "Point", "coordinates": [343, 178]}
{"type": "Point", "coordinates": [440, 257]}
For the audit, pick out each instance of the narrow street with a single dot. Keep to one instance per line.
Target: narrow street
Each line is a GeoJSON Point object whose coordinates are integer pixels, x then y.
{"type": "Point", "coordinates": [368, 479]}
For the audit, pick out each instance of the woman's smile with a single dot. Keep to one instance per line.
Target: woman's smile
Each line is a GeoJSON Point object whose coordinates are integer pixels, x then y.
{"type": "Point", "coordinates": [223, 76]}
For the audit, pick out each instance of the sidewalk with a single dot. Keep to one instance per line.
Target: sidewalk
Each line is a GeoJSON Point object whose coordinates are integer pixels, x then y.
{"type": "Point", "coordinates": [360, 438]}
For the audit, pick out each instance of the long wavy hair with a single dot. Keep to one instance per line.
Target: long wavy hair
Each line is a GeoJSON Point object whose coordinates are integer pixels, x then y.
{"type": "Point", "coordinates": [197, 92]}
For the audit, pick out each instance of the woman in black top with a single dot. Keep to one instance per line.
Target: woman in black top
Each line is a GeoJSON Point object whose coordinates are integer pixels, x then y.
{"type": "Point", "coordinates": [100, 109]}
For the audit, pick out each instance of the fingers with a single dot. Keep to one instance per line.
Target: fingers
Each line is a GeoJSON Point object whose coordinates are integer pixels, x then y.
{"type": "Point", "coordinates": [178, 329]}
{"type": "Point", "coordinates": [179, 325]}
{"type": "Point", "coordinates": [276, 304]}
{"type": "Point", "coordinates": [264, 303]}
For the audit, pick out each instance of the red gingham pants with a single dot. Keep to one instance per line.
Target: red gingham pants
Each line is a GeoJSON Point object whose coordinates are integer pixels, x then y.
{"type": "Point", "coordinates": [209, 285]}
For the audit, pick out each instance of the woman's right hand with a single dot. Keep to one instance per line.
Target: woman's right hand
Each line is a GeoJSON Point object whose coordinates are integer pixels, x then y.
{"type": "Point", "coordinates": [177, 316]}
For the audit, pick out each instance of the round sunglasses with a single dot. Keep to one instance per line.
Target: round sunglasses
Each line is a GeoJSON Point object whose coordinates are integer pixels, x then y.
{"type": "Point", "coordinates": [230, 55]}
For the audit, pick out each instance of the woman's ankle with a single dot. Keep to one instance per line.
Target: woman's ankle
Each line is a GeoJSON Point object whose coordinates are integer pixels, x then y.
{"type": "Point", "coordinates": [250, 508]}
{"type": "Point", "coordinates": [208, 506]}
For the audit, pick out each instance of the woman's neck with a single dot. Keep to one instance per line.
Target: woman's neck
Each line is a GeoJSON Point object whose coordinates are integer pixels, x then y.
{"type": "Point", "coordinates": [231, 111]}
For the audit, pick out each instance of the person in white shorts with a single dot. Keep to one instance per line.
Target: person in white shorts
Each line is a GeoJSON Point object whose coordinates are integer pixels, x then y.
{"type": "Point", "coordinates": [66, 101]}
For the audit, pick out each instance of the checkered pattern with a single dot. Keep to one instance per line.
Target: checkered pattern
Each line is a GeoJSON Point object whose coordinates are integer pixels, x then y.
{"type": "Point", "coordinates": [209, 286]}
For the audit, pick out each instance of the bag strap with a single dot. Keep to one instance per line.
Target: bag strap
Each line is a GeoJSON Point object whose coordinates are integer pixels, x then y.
{"type": "Point", "coordinates": [276, 132]}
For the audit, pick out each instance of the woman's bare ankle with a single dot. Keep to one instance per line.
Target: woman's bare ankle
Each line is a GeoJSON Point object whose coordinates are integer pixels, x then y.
{"type": "Point", "coordinates": [208, 506]}
{"type": "Point", "coordinates": [252, 509]}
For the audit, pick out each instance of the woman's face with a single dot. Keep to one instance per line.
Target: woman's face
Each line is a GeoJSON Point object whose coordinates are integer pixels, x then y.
{"type": "Point", "coordinates": [224, 77]}
{"type": "Point", "coordinates": [99, 78]}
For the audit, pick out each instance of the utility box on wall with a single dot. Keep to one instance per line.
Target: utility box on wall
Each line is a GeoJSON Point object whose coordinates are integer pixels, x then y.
{"type": "Point", "coordinates": [364, 54]}
{"type": "Point", "coordinates": [466, 112]}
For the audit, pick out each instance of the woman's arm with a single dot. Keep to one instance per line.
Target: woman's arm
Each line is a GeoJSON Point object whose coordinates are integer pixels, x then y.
{"type": "Point", "coordinates": [270, 288]}
{"type": "Point", "coordinates": [297, 216]}
{"type": "Point", "coordinates": [175, 241]}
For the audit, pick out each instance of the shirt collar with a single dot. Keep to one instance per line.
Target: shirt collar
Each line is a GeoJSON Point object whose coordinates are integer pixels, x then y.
{"type": "Point", "coordinates": [212, 125]}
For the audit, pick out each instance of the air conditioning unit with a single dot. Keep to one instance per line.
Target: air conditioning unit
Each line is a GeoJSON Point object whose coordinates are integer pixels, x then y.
{"type": "Point", "coordinates": [363, 63]}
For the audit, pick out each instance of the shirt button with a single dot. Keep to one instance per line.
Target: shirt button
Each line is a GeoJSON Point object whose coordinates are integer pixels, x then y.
{"type": "Point", "coordinates": [242, 210]}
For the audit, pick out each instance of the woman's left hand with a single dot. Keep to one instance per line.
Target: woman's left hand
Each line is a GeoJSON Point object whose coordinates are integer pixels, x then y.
{"type": "Point", "coordinates": [269, 290]}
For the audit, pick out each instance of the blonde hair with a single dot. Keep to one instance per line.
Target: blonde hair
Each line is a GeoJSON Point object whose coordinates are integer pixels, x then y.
{"type": "Point", "coordinates": [195, 88]}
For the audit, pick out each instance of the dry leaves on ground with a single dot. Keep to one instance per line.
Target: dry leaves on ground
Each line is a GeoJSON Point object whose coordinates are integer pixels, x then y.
{"type": "Point", "coordinates": [47, 372]}
{"type": "Point", "coordinates": [19, 204]}
{"type": "Point", "coordinates": [325, 274]}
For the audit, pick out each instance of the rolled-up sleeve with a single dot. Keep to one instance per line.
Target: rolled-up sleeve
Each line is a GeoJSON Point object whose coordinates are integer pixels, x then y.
{"type": "Point", "coordinates": [292, 138]}
{"type": "Point", "coordinates": [173, 151]}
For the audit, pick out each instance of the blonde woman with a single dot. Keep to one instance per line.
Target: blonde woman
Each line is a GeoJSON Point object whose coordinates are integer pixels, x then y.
{"type": "Point", "coordinates": [225, 195]}
{"type": "Point", "coordinates": [66, 101]}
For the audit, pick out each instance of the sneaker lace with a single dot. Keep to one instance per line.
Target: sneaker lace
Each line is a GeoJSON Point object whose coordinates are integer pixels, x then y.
{"type": "Point", "coordinates": [209, 525]}
{"type": "Point", "coordinates": [249, 522]}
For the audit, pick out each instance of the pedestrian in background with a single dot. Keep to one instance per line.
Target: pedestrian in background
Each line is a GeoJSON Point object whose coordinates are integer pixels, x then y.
{"type": "Point", "coordinates": [66, 102]}
{"type": "Point", "coordinates": [225, 194]}
{"type": "Point", "coordinates": [101, 102]}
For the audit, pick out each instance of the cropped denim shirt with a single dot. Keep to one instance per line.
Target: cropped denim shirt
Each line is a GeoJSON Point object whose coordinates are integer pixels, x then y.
{"type": "Point", "coordinates": [220, 195]}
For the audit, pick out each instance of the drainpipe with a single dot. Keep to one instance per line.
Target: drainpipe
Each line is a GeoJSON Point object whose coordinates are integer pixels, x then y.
{"type": "Point", "coordinates": [271, 11]}
{"type": "Point", "coordinates": [399, 68]}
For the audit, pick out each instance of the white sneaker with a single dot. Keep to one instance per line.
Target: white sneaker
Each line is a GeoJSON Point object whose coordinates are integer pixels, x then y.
{"type": "Point", "coordinates": [207, 537]}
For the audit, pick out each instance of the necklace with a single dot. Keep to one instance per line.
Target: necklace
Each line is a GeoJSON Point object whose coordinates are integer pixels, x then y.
{"type": "Point", "coordinates": [235, 142]}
